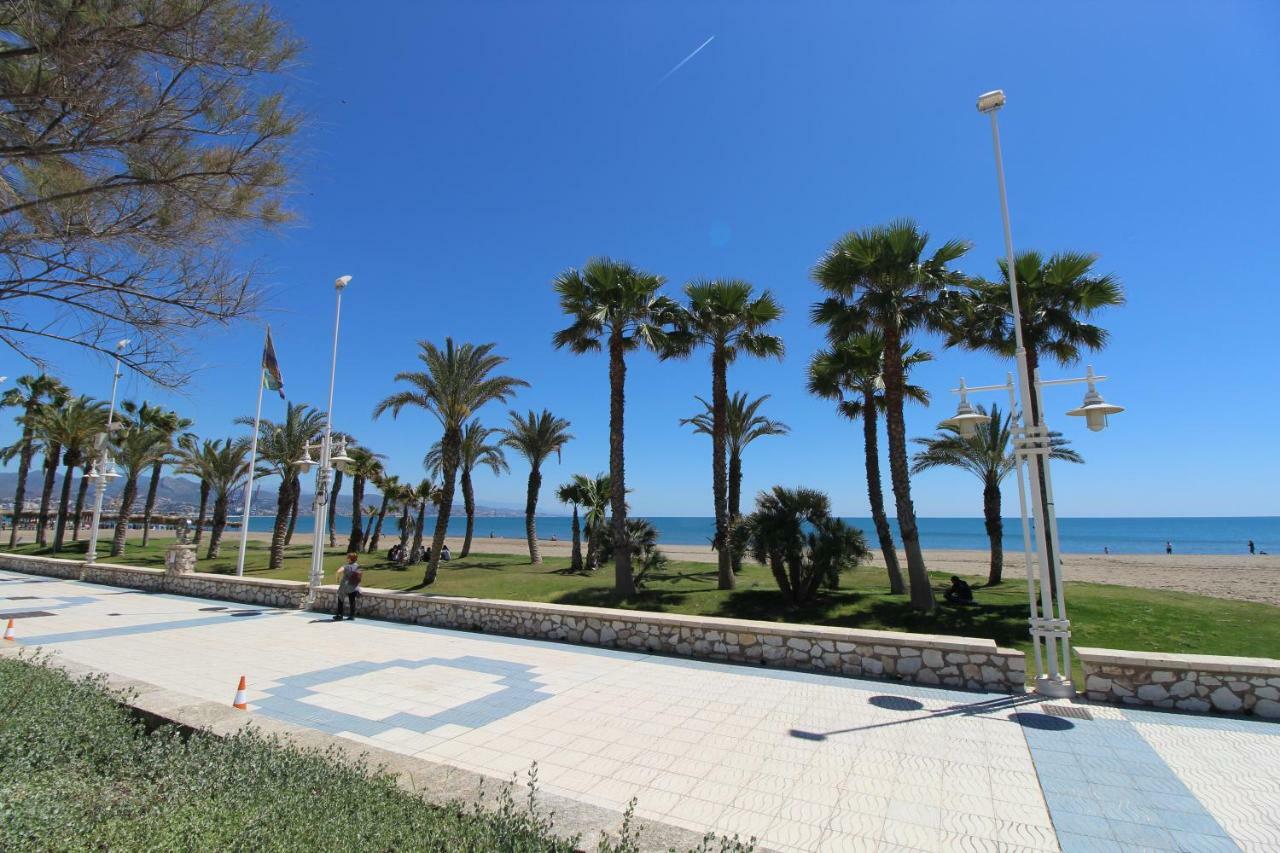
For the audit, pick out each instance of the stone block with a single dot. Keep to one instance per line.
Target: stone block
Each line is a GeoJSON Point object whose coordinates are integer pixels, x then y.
{"type": "Point", "coordinates": [957, 657]}
{"type": "Point", "coordinates": [798, 644]}
{"type": "Point", "coordinates": [885, 651]}
{"type": "Point", "coordinates": [1182, 689]}
{"type": "Point", "coordinates": [1271, 693]}
{"type": "Point", "coordinates": [1239, 687]}
{"type": "Point", "coordinates": [1268, 708]}
{"type": "Point", "coordinates": [1161, 676]}
{"type": "Point", "coordinates": [991, 675]}
{"type": "Point", "coordinates": [1097, 683]}
{"type": "Point", "coordinates": [1192, 704]}
{"type": "Point", "coordinates": [1224, 700]}
{"type": "Point", "coordinates": [908, 652]}
{"type": "Point", "coordinates": [909, 666]}
{"type": "Point", "coordinates": [927, 676]}
{"type": "Point", "coordinates": [1152, 692]}
{"type": "Point", "coordinates": [932, 658]}
{"type": "Point", "coordinates": [872, 666]}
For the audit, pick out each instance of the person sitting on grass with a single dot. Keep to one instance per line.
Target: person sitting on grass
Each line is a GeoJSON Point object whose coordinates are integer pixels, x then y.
{"type": "Point", "coordinates": [444, 553]}
{"type": "Point", "coordinates": [959, 592]}
{"type": "Point", "coordinates": [349, 577]}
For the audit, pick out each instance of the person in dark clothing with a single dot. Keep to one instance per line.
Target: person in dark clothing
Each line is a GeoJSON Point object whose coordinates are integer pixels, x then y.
{"type": "Point", "coordinates": [959, 593]}
{"type": "Point", "coordinates": [1251, 546]}
{"type": "Point", "coordinates": [349, 579]}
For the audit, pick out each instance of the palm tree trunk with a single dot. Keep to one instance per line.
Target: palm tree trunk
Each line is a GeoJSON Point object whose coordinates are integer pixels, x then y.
{"type": "Point", "coordinates": [127, 497]}
{"type": "Point", "coordinates": [451, 445]}
{"type": "Point", "coordinates": [406, 530]}
{"type": "Point", "coordinates": [377, 528]}
{"type": "Point", "coordinates": [624, 582]}
{"type": "Point", "coordinates": [735, 501]}
{"type": "Point", "coordinates": [357, 514]}
{"type": "Point", "coordinates": [894, 377]}
{"type": "Point", "coordinates": [204, 505]}
{"type": "Point", "coordinates": [81, 493]}
{"type": "Point", "coordinates": [530, 513]}
{"type": "Point", "coordinates": [20, 488]}
{"type": "Point", "coordinates": [575, 560]}
{"type": "Point", "coordinates": [64, 503]}
{"type": "Point", "coordinates": [995, 530]}
{"type": "Point", "coordinates": [333, 508]}
{"type": "Point", "coordinates": [593, 533]}
{"type": "Point", "coordinates": [147, 508]}
{"type": "Point", "coordinates": [875, 495]}
{"type": "Point", "coordinates": [719, 404]}
{"type": "Point", "coordinates": [295, 488]}
{"type": "Point", "coordinates": [419, 527]}
{"type": "Point", "coordinates": [51, 456]}
{"type": "Point", "coordinates": [219, 525]}
{"type": "Point", "coordinates": [468, 503]}
{"type": "Point", "coordinates": [1033, 364]}
{"type": "Point", "coordinates": [284, 499]}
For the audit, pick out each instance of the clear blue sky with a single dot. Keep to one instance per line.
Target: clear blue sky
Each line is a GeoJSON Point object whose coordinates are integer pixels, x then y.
{"type": "Point", "coordinates": [459, 155]}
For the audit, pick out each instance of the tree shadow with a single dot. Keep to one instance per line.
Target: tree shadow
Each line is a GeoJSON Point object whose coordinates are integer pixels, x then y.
{"type": "Point", "coordinates": [604, 596]}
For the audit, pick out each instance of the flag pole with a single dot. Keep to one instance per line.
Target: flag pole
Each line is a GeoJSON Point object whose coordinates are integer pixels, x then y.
{"type": "Point", "coordinates": [248, 486]}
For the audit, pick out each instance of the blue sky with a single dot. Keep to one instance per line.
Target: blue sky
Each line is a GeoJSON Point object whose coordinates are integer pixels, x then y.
{"type": "Point", "coordinates": [459, 155]}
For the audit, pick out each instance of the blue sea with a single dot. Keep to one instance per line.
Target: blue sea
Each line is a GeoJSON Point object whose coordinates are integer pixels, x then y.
{"type": "Point", "coordinates": [1079, 535]}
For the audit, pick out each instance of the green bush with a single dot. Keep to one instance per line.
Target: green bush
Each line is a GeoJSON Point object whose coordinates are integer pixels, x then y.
{"type": "Point", "coordinates": [80, 772]}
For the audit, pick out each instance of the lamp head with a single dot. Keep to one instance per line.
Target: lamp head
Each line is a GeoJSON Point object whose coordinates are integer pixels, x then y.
{"type": "Point", "coordinates": [342, 282]}
{"type": "Point", "coordinates": [967, 419]}
{"type": "Point", "coordinates": [1094, 409]}
{"type": "Point", "coordinates": [340, 460]}
{"type": "Point", "coordinates": [122, 344]}
{"type": "Point", "coordinates": [306, 463]}
{"type": "Point", "coordinates": [989, 102]}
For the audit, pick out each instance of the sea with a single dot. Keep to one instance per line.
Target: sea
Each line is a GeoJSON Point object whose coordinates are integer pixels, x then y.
{"type": "Point", "coordinates": [1079, 535]}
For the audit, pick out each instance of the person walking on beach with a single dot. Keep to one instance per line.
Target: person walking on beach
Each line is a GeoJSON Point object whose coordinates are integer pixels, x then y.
{"type": "Point", "coordinates": [1251, 549]}
{"type": "Point", "coordinates": [1168, 547]}
{"type": "Point", "coordinates": [349, 577]}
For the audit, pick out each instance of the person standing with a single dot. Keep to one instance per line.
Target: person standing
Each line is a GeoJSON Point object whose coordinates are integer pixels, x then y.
{"type": "Point", "coordinates": [349, 577]}
{"type": "Point", "coordinates": [1168, 547]}
{"type": "Point", "coordinates": [1251, 548]}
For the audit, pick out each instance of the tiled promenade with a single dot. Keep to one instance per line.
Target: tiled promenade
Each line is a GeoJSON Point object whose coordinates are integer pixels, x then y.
{"type": "Point", "coordinates": [801, 761]}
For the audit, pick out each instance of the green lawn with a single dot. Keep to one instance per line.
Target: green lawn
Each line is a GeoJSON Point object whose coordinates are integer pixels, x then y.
{"type": "Point", "coordinates": [1101, 615]}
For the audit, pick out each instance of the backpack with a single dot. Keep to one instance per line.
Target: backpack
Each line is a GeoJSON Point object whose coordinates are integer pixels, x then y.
{"type": "Point", "coordinates": [353, 575]}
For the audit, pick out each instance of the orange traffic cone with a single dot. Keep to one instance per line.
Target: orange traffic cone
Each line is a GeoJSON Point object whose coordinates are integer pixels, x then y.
{"type": "Point", "coordinates": [8, 632]}
{"type": "Point", "coordinates": [240, 701]}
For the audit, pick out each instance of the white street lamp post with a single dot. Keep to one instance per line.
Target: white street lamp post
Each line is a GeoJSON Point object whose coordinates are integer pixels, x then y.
{"type": "Point", "coordinates": [322, 472]}
{"type": "Point", "coordinates": [104, 467]}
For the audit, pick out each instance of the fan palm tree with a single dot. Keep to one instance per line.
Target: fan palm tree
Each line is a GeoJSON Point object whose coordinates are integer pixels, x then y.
{"type": "Point", "coordinates": [880, 279]}
{"type": "Point", "coordinates": [988, 455]}
{"type": "Point", "coordinates": [30, 394]}
{"type": "Point", "coordinates": [280, 446]}
{"type": "Point", "coordinates": [137, 448]}
{"type": "Point", "coordinates": [424, 494]}
{"type": "Point", "coordinates": [350, 443]}
{"type": "Point", "coordinates": [727, 318]}
{"type": "Point", "coordinates": [743, 425]}
{"type": "Point", "coordinates": [193, 458]}
{"type": "Point", "coordinates": [793, 532]}
{"type": "Point", "coordinates": [1056, 298]}
{"type": "Point", "coordinates": [535, 437]}
{"type": "Point", "coordinates": [574, 493]}
{"type": "Point", "coordinates": [612, 304]}
{"type": "Point", "coordinates": [227, 468]}
{"type": "Point", "coordinates": [81, 492]}
{"type": "Point", "coordinates": [406, 497]}
{"type": "Point", "coordinates": [387, 485]}
{"type": "Point", "coordinates": [457, 382]}
{"type": "Point", "coordinates": [597, 500]}
{"type": "Point", "coordinates": [163, 421]}
{"type": "Point", "coordinates": [72, 427]}
{"type": "Point", "coordinates": [475, 450]}
{"type": "Point", "coordinates": [365, 467]}
{"type": "Point", "coordinates": [852, 372]}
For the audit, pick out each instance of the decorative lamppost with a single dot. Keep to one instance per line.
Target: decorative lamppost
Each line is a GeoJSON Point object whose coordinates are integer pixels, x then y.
{"type": "Point", "coordinates": [104, 467]}
{"type": "Point", "coordinates": [326, 462]}
{"type": "Point", "coordinates": [1050, 628]}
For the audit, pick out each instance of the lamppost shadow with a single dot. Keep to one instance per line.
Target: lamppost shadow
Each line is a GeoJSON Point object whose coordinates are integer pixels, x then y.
{"type": "Point", "coordinates": [970, 709]}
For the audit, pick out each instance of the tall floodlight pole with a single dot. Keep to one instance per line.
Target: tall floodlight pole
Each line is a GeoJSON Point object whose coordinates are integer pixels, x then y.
{"type": "Point", "coordinates": [321, 500]}
{"type": "Point", "coordinates": [104, 467]}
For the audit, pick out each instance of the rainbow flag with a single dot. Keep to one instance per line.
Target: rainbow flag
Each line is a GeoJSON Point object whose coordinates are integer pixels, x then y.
{"type": "Point", "coordinates": [271, 378]}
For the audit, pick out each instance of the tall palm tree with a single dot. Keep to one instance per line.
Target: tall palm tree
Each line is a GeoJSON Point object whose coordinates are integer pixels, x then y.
{"type": "Point", "coordinates": [597, 498]}
{"type": "Point", "coordinates": [228, 466]}
{"type": "Point", "coordinates": [72, 427]}
{"type": "Point", "coordinates": [406, 496]}
{"type": "Point", "coordinates": [881, 279]}
{"type": "Point", "coordinates": [727, 318]}
{"type": "Point", "coordinates": [350, 443]}
{"type": "Point", "coordinates": [612, 304]}
{"type": "Point", "coordinates": [424, 494]}
{"type": "Point", "coordinates": [743, 425]}
{"type": "Point", "coordinates": [137, 448]}
{"type": "Point", "coordinates": [280, 445]}
{"type": "Point", "coordinates": [475, 450]}
{"type": "Point", "coordinates": [987, 454]}
{"type": "Point", "coordinates": [365, 466]}
{"type": "Point", "coordinates": [168, 423]}
{"type": "Point", "coordinates": [535, 437]}
{"type": "Point", "coordinates": [193, 458]}
{"type": "Point", "coordinates": [85, 465]}
{"type": "Point", "coordinates": [852, 372]}
{"type": "Point", "coordinates": [1056, 298]}
{"type": "Point", "coordinates": [457, 382]}
{"type": "Point", "coordinates": [574, 493]}
{"type": "Point", "coordinates": [30, 394]}
{"type": "Point", "coordinates": [387, 485]}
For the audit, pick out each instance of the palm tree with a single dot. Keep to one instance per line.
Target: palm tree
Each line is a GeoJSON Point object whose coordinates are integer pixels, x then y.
{"type": "Point", "coordinates": [168, 423]}
{"type": "Point", "coordinates": [743, 425]}
{"type": "Point", "coordinates": [387, 485]}
{"type": "Point", "coordinates": [613, 304]}
{"type": "Point", "coordinates": [31, 394]}
{"type": "Point", "coordinates": [851, 372]}
{"type": "Point", "coordinates": [350, 442]}
{"type": "Point", "coordinates": [597, 499]}
{"type": "Point", "coordinates": [406, 496]}
{"type": "Point", "coordinates": [193, 458]}
{"type": "Point", "coordinates": [728, 318]}
{"type": "Point", "coordinates": [535, 437]}
{"type": "Point", "coordinates": [227, 468]}
{"type": "Point", "coordinates": [72, 427]}
{"type": "Point", "coordinates": [881, 280]}
{"type": "Point", "coordinates": [793, 532]}
{"type": "Point", "coordinates": [987, 454]}
{"type": "Point", "coordinates": [457, 382]}
{"type": "Point", "coordinates": [426, 492]}
{"type": "Point", "coordinates": [365, 466]}
{"type": "Point", "coordinates": [574, 493]}
{"type": "Point", "coordinates": [137, 449]}
{"type": "Point", "coordinates": [280, 446]}
{"type": "Point", "coordinates": [85, 465]}
{"type": "Point", "coordinates": [1056, 297]}
{"type": "Point", "coordinates": [475, 450]}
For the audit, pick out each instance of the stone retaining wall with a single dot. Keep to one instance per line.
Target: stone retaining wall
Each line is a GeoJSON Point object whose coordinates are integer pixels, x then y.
{"type": "Point", "coordinates": [1232, 685]}
{"type": "Point", "coordinates": [973, 663]}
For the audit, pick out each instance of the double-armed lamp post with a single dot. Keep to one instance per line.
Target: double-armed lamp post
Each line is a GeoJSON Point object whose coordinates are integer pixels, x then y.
{"type": "Point", "coordinates": [1050, 629]}
{"type": "Point", "coordinates": [104, 467]}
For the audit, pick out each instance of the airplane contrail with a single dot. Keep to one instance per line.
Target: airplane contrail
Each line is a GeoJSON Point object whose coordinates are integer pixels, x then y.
{"type": "Point", "coordinates": [682, 62]}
